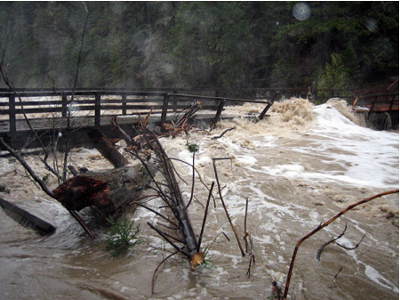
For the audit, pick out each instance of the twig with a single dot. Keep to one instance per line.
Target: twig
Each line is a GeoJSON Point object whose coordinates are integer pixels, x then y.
{"type": "Point", "coordinates": [252, 259]}
{"type": "Point", "coordinates": [223, 204]}
{"type": "Point", "coordinates": [351, 248]}
{"type": "Point", "coordinates": [222, 134]}
{"type": "Point", "coordinates": [168, 240]}
{"type": "Point", "coordinates": [205, 217]}
{"type": "Point", "coordinates": [323, 225]}
{"type": "Point", "coordinates": [276, 290]}
{"type": "Point", "coordinates": [82, 223]}
{"type": "Point", "coordinates": [329, 242]}
{"type": "Point", "coordinates": [157, 213]}
{"type": "Point", "coordinates": [193, 180]}
{"type": "Point", "coordinates": [335, 278]}
{"type": "Point", "coordinates": [227, 237]}
{"type": "Point", "coordinates": [198, 174]}
{"type": "Point", "coordinates": [153, 281]}
{"type": "Point", "coordinates": [245, 227]}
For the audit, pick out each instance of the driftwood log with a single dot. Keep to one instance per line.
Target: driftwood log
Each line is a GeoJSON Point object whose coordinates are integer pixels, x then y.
{"type": "Point", "coordinates": [109, 191]}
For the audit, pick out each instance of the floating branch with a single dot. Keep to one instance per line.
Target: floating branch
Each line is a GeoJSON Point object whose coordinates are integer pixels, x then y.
{"type": "Point", "coordinates": [335, 278]}
{"type": "Point", "coordinates": [329, 242]}
{"type": "Point", "coordinates": [323, 225]}
{"type": "Point", "coordinates": [351, 248]}
{"type": "Point", "coordinates": [222, 134]}
{"type": "Point", "coordinates": [334, 241]}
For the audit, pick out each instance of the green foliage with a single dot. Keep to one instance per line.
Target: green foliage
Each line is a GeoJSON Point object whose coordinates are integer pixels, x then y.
{"type": "Point", "coordinates": [198, 44]}
{"type": "Point", "coordinates": [121, 237]}
{"type": "Point", "coordinates": [192, 147]}
{"type": "Point", "coordinates": [335, 79]}
{"type": "Point", "coordinates": [207, 263]}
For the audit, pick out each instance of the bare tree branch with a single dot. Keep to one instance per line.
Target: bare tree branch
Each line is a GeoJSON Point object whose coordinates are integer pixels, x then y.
{"type": "Point", "coordinates": [323, 225]}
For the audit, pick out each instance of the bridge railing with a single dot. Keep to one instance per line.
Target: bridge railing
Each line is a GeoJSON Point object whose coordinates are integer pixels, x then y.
{"type": "Point", "coordinates": [384, 102]}
{"type": "Point", "coordinates": [97, 103]}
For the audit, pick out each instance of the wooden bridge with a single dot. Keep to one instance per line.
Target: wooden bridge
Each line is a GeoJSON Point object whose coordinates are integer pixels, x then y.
{"type": "Point", "coordinates": [51, 112]}
{"type": "Point", "coordinates": [378, 104]}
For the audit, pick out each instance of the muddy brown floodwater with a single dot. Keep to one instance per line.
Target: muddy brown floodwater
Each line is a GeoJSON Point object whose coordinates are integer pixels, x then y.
{"type": "Point", "coordinates": [298, 168]}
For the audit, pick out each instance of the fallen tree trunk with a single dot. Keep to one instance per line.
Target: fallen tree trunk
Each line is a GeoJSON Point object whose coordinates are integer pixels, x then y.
{"type": "Point", "coordinates": [173, 199]}
{"type": "Point", "coordinates": [109, 191]}
{"type": "Point", "coordinates": [106, 148]}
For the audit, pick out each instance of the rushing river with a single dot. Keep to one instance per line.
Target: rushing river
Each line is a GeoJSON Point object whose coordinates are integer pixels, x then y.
{"type": "Point", "coordinates": [298, 168]}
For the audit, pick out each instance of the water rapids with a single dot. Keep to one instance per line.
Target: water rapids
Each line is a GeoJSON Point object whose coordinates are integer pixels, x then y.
{"type": "Point", "coordinates": [298, 168]}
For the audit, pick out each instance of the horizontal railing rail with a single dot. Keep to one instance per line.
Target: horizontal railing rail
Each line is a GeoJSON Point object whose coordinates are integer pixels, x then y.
{"type": "Point", "coordinates": [385, 102]}
{"type": "Point", "coordinates": [62, 103]}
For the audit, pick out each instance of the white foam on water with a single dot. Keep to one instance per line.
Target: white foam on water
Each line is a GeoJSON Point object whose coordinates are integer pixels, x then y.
{"type": "Point", "coordinates": [375, 276]}
{"type": "Point", "coordinates": [366, 157]}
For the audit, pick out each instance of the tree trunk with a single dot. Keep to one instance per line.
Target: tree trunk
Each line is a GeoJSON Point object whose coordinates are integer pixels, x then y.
{"type": "Point", "coordinates": [109, 191]}
{"type": "Point", "coordinates": [106, 148]}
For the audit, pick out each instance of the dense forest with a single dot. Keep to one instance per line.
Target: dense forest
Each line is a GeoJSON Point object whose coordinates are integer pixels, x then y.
{"type": "Point", "coordinates": [333, 45]}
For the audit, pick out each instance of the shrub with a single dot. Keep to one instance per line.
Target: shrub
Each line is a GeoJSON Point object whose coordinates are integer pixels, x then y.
{"type": "Point", "coordinates": [122, 238]}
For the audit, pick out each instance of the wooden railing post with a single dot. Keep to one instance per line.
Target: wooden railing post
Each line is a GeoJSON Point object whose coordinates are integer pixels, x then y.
{"type": "Point", "coordinates": [219, 111]}
{"type": "Point", "coordinates": [265, 110]}
{"type": "Point", "coordinates": [97, 110]}
{"type": "Point", "coordinates": [392, 102]}
{"type": "Point", "coordinates": [164, 109]}
{"type": "Point", "coordinates": [373, 105]}
{"type": "Point", "coordinates": [124, 105]}
{"type": "Point", "coordinates": [12, 119]}
{"type": "Point", "coordinates": [64, 102]}
{"type": "Point", "coordinates": [262, 115]}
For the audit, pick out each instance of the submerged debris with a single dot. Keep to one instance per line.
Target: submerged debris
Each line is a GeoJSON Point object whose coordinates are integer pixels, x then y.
{"type": "Point", "coordinates": [26, 219]}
